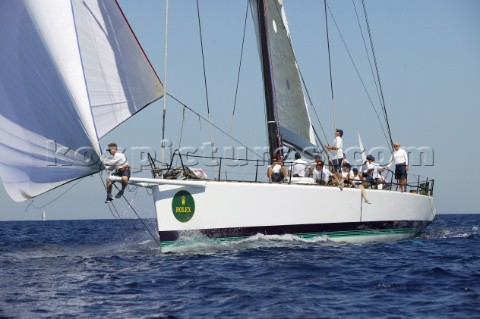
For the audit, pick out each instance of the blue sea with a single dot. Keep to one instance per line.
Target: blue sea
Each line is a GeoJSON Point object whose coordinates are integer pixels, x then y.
{"type": "Point", "coordinates": [115, 269]}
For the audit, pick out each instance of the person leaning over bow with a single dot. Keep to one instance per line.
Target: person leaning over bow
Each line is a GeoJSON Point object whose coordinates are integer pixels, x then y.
{"type": "Point", "coordinates": [118, 163]}
{"type": "Point", "coordinates": [400, 157]}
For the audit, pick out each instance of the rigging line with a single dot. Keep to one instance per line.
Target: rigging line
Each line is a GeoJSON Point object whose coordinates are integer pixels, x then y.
{"type": "Point", "coordinates": [238, 75]}
{"type": "Point", "coordinates": [377, 78]}
{"type": "Point", "coordinates": [313, 106]}
{"type": "Point", "coordinates": [55, 199]}
{"type": "Point", "coordinates": [205, 75]}
{"type": "Point", "coordinates": [143, 222]}
{"type": "Point", "coordinates": [215, 126]}
{"type": "Point", "coordinates": [358, 74]}
{"type": "Point", "coordinates": [330, 65]}
{"type": "Point", "coordinates": [240, 64]}
{"type": "Point", "coordinates": [331, 79]}
{"type": "Point", "coordinates": [378, 74]}
{"type": "Point", "coordinates": [118, 216]}
{"type": "Point", "coordinates": [203, 57]}
{"type": "Point", "coordinates": [318, 138]}
{"type": "Point", "coordinates": [115, 214]}
{"type": "Point", "coordinates": [131, 207]}
{"type": "Point", "coordinates": [181, 133]}
{"type": "Point", "coordinates": [125, 224]}
{"type": "Point", "coordinates": [165, 82]}
{"type": "Point", "coordinates": [133, 197]}
{"type": "Point", "coordinates": [366, 50]}
{"type": "Point", "coordinates": [224, 157]}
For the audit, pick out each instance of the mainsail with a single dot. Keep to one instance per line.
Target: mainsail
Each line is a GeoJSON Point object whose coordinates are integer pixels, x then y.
{"type": "Point", "coordinates": [287, 114]}
{"type": "Point", "coordinates": [72, 70]}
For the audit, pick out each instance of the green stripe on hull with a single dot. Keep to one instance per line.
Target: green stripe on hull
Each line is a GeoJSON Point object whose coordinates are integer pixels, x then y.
{"type": "Point", "coordinates": [334, 234]}
{"type": "Point", "coordinates": [353, 233]}
{"type": "Point", "coordinates": [194, 241]}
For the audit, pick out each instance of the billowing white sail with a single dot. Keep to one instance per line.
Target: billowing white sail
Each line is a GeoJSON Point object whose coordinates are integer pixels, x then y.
{"type": "Point", "coordinates": [71, 70]}
{"type": "Point", "coordinates": [120, 80]}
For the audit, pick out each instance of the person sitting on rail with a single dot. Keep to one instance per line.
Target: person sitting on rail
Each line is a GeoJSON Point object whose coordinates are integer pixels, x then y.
{"type": "Point", "coordinates": [346, 173]}
{"type": "Point", "coordinates": [119, 164]}
{"type": "Point", "coordinates": [299, 166]}
{"type": "Point", "coordinates": [322, 176]}
{"type": "Point", "coordinates": [311, 167]}
{"type": "Point", "coordinates": [276, 172]}
{"type": "Point", "coordinates": [371, 172]}
{"type": "Point", "coordinates": [356, 182]}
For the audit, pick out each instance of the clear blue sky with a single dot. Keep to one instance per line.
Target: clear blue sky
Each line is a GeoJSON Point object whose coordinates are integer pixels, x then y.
{"type": "Point", "coordinates": [428, 53]}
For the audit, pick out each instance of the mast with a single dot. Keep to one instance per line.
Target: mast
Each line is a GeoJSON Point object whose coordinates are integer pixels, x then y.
{"type": "Point", "coordinates": [274, 136]}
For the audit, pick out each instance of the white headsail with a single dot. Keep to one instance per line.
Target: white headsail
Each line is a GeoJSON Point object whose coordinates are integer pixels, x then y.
{"type": "Point", "coordinates": [363, 153]}
{"type": "Point", "coordinates": [72, 70]}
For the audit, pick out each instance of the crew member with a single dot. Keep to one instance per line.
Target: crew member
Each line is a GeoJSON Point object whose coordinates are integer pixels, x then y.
{"type": "Point", "coordinates": [118, 163]}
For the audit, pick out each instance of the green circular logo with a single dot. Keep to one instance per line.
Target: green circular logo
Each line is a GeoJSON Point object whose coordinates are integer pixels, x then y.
{"type": "Point", "coordinates": [183, 206]}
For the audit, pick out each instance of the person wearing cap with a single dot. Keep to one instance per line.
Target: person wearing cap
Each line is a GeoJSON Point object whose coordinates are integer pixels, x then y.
{"type": "Point", "coordinates": [118, 163]}
{"type": "Point", "coordinates": [276, 172]}
{"type": "Point", "coordinates": [371, 171]}
{"type": "Point", "coordinates": [400, 157]}
{"type": "Point", "coordinates": [299, 166]}
{"type": "Point", "coordinates": [346, 173]}
{"type": "Point", "coordinates": [337, 147]}
{"type": "Point", "coordinates": [338, 155]}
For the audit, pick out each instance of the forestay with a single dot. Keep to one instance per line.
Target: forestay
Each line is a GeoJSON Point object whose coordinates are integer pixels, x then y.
{"type": "Point", "coordinates": [71, 72]}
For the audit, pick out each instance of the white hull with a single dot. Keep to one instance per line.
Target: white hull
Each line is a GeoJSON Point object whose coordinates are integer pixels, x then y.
{"type": "Point", "coordinates": [238, 209]}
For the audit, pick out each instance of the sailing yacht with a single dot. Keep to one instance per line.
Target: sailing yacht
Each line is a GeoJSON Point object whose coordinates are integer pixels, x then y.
{"type": "Point", "coordinates": [74, 70]}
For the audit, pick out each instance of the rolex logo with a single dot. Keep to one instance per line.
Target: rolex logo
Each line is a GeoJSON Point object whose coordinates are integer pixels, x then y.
{"type": "Point", "coordinates": [183, 206]}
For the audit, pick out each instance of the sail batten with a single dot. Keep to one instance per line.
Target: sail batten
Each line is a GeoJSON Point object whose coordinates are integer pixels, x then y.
{"type": "Point", "coordinates": [71, 72]}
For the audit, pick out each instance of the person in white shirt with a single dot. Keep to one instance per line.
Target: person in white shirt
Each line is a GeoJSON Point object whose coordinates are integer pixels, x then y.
{"type": "Point", "coordinates": [299, 166]}
{"type": "Point", "coordinates": [400, 157]}
{"type": "Point", "coordinates": [311, 166]}
{"type": "Point", "coordinates": [118, 163]}
{"type": "Point", "coordinates": [321, 175]}
{"type": "Point", "coordinates": [346, 173]}
{"type": "Point", "coordinates": [337, 147]}
{"type": "Point", "coordinates": [371, 171]}
{"type": "Point", "coordinates": [276, 172]}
